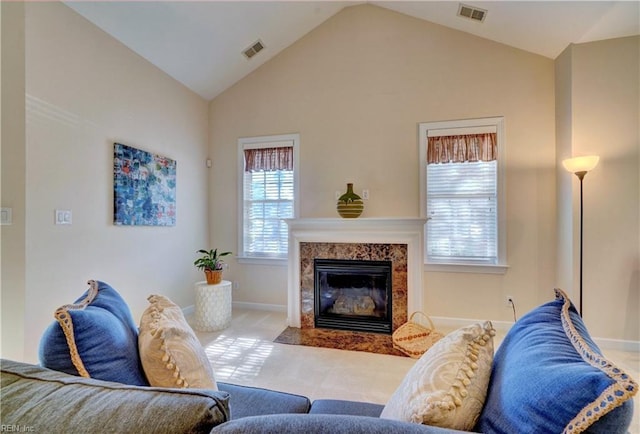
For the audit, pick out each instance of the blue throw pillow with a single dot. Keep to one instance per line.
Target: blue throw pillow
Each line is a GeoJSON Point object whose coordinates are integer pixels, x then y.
{"type": "Point", "coordinates": [549, 376]}
{"type": "Point", "coordinates": [95, 337]}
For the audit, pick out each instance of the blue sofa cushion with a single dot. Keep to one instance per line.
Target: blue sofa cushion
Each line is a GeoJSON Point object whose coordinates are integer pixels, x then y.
{"type": "Point", "coordinates": [254, 401]}
{"type": "Point", "coordinates": [35, 399]}
{"type": "Point", "coordinates": [549, 376]}
{"type": "Point", "coordinates": [95, 337]}
{"type": "Point", "coordinates": [339, 406]}
{"type": "Point", "coordinates": [324, 424]}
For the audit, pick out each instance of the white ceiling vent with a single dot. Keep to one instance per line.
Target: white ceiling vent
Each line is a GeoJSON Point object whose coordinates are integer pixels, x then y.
{"type": "Point", "coordinates": [254, 49]}
{"type": "Point", "coordinates": [471, 12]}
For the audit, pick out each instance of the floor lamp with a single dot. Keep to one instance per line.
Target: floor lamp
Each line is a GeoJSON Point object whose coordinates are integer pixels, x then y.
{"type": "Point", "coordinates": [580, 166]}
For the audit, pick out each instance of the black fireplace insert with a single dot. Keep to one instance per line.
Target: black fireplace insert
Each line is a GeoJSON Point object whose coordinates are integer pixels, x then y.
{"type": "Point", "coordinates": [353, 295]}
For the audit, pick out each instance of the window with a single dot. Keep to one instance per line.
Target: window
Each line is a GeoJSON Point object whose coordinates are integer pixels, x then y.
{"type": "Point", "coordinates": [268, 169]}
{"type": "Point", "coordinates": [461, 166]}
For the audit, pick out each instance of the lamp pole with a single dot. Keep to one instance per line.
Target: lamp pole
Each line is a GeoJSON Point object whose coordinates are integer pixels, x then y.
{"type": "Point", "coordinates": [580, 166]}
{"type": "Point", "coordinates": [580, 176]}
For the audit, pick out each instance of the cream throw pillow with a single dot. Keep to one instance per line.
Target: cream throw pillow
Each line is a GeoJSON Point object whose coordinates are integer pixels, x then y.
{"type": "Point", "coordinates": [170, 352]}
{"type": "Point", "coordinates": [448, 384]}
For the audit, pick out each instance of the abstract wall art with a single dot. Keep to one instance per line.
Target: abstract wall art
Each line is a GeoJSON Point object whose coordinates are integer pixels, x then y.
{"type": "Point", "coordinates": [144, 188]}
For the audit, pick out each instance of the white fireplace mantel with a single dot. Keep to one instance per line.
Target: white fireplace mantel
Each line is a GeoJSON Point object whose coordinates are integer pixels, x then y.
{"type": "Point", "coordinates": [409, 231]}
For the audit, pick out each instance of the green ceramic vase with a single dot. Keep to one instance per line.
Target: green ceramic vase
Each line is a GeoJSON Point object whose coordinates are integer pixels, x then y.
{"type": "Point", "coordinates": [350, 205]}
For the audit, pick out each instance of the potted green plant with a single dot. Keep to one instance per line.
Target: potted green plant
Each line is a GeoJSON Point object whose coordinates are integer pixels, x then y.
{"type": "Point", "coordinates": [211, 264]}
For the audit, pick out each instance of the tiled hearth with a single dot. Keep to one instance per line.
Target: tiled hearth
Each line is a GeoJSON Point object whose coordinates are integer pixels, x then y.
{"type": "Point", "coordinates": [399, 240]}
{"type": "Point", "coordinates": [339, 339]}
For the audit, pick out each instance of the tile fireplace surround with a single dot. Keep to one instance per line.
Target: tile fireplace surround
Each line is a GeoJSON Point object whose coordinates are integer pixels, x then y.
{"type": "Point", "coordinates": [397, 239]}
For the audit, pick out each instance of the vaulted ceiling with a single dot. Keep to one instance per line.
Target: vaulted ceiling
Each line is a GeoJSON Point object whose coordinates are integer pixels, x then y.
{"type": "Point", "coordinates": [200, 43]}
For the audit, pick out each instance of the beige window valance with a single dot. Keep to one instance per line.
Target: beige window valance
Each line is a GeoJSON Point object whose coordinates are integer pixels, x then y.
{"type": "Point", "coordinates": [462, 148]}
{"type": "Point", "coordinates": [268, 159]}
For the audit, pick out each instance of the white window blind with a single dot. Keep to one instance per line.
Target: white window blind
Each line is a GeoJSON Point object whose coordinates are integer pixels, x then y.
{"type": "Point", "coordinates": [463, 213]}
{"type": "Point", "coordinates": [268, 198]}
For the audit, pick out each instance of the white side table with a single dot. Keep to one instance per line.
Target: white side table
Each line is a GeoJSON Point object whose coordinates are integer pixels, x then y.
{"type": "Point", "coordinates": [213, 306]}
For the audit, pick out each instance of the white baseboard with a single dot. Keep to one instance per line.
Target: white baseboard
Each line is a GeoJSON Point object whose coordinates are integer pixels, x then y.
{"type": "Point", "coordinates": [260, 306]}
{"type": "Point", "coordinates": [503, 327]}
{"type": "Point", "coordinates": [191, 310]}
{"type": "Point", "coordinates": [448, 324]}
{"type": "Point", "coordinates": [618, 344]}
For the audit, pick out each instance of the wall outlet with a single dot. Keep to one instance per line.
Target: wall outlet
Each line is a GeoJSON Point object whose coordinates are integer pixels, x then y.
{"type": "Point", "coordinates": [365, 194]}
{"type": "Point", "coordinates": [508, 300]}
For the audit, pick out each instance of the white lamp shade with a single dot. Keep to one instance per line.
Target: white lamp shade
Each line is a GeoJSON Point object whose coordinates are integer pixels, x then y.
{"type": "Point", "coordinates": [581, 164]}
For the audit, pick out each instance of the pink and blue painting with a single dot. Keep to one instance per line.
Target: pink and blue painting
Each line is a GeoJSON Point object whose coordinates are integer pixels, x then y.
{"type": "Point", "coordinates": [144, 188]}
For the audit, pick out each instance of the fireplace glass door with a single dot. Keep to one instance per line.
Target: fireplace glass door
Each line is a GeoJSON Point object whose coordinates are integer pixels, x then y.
{"type": "Point", "coordinates": [353, 295]}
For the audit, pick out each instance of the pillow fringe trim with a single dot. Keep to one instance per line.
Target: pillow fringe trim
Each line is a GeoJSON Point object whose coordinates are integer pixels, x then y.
{"type": "Point", "coordinates": [457, 392]}
{"type": "Point", "coordinates": [66, 323]}
{"type": "Point", "coordinates": [167, 358]}
{"type": "Point", "coordinates": [613, 396]}
{"type": "Point", "coordinates": [466, 372]}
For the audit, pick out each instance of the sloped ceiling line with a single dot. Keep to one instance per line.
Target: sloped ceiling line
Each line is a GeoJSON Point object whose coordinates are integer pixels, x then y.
{"type": "Point", "coordinates": [200, 44]}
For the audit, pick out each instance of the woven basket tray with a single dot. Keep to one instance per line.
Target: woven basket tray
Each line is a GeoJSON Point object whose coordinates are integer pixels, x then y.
{"type": "Point", "coordinates": [414, 339]}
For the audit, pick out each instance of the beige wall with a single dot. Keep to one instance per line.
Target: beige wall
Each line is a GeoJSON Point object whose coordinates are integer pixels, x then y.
{"type": "Point", "coordinates": [12, 237]}
{"type": "Point", "coordinates": [604, 102]}
{"type": "Point", "coordinates": [355, 88]}
{"type": "Point", "coordinates": [565, 247]}
{"type": "Point", "coordinates": [84, 91]}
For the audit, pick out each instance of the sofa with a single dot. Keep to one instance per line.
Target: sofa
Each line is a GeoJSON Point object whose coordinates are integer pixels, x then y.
{"type": "Point", "coordinates": [37, 399]}
{"type": "Point", "coordinates": [546, 376]}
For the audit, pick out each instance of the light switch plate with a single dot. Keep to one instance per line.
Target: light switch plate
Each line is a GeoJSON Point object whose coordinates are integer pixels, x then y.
{"type": "Point", "coordinates": [6, 217]}
{"type": "Point", "coordinates": [63, 217]}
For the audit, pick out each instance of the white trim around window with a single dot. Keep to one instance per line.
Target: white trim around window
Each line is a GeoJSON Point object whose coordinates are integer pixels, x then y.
{"type": "Point", "coordinates": [266, 142]}
{"type": "Point", "coordinates": [467, 126]}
